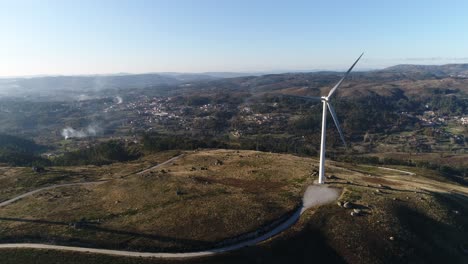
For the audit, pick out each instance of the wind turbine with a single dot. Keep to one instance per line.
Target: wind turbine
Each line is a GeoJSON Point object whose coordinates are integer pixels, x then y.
{"type": "Point", "coordinates": [326, 103]}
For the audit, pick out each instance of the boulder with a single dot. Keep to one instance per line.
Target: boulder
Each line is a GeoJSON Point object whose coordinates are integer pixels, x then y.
{"type": "Point", "coordinates": [38, 169]}
{"type": "Point", "coordinates": [356, 212]}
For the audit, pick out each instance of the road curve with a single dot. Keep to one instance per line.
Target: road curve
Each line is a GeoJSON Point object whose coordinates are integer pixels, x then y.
{"type": "Point", "coordinates": [314, 196]}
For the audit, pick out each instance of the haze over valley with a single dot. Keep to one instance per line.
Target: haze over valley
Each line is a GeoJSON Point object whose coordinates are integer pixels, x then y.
{"type": "Point", "coordinates": [233, 132]}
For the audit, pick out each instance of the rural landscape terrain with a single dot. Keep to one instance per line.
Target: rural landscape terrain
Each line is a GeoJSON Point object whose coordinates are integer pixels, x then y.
{"type": "Point", "coordinates": [181, 164]}
{"type": "Point", "coordinates": [225, 132]}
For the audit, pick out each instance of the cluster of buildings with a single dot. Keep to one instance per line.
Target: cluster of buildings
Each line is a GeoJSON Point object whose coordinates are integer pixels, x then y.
{"type": "Point", "coordinates": [431, 118]}
{"type": "Point", "coordinates": [463, 120]}
{"type": "Point", "coordinates": [173, 113]}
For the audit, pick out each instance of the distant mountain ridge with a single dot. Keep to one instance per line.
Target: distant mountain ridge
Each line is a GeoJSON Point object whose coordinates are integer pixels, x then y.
{"type": "Point", "coordinates": [71, 86]}
{"type": "Point", "coordinates": [302, 83]}
{"type": "Point", "coordinates": [418, 80]}
{"type": "Point", "coordinates": [454, 70]}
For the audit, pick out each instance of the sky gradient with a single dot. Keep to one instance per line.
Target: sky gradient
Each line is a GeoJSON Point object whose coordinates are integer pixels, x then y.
{"type": "Point", "coordinates": [96, 37]}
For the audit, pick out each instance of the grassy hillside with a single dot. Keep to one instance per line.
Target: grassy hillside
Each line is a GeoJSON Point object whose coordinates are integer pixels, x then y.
{"type": "Point", "coordinates": [193, 203]}
{"type": "Point", "coordinates": [17, 180]}
{"type": "Point", "coordinates": [182, 206]}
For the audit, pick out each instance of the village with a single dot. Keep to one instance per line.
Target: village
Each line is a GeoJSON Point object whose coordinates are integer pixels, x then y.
{"type": "Point", "coordinates": [175, 115]}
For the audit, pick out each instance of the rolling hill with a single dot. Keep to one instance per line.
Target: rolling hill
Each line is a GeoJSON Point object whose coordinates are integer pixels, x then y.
{"type": "Point", "coordinates": [384, 215]}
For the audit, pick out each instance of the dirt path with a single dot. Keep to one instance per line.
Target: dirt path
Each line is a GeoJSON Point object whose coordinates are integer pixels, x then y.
{"type": "Point", "coordinates": [161, 164]}
{"type": "Point", "coordinates": [10, 201]}
{"type": "Point", "coordinates": [402, 171]}
{"type": "Point", "coordinates": [315, 195]}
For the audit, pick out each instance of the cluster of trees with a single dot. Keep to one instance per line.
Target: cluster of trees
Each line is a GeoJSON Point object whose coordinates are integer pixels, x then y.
{"type": "Point", "coordinates": [154, 142]}
{"type": "Point", "coordinates": [16, 151]}
{"type": "Point", "coordinates": [278, 144]}
{"type": "Point", "coordinates": [448, 104]}
{"type": "Point", "coordinates": [443, 101]}
{"type": "Point", "coordinates": [374, 113]}
{"type": "Point", "coordinates": [103, 153]}
{"type": "Point", "coordinates": [19, 158]}
{"type": "Point", "coordinates": [19, 144]}
{"type": "Point", "coordinates": [198, 100]}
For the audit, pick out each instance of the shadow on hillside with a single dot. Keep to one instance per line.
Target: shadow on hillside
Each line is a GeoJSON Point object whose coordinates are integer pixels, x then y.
{"type": "Point", "coordinates": [123, 239]}
{"type": "Point", "coordinates": [384, 189]}
{"type": "Point", "coordinates": [307, 246]}
{"type": "Point", "coordinates": [93, 227]}
{"type": "Point", "coordinates": [433, 241]}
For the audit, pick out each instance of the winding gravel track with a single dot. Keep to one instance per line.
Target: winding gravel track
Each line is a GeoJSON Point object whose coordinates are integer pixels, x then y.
{"type": "Point", "coordinates": [314, 195]}
{"type": "Point", "coordinates": [10, 201]}
{"type": "Point", "coordinates": [402, 171]}
{"type": "Point", "coordinates": [160, 164]}
{"type": "Point", "coordinates": [7, 202]}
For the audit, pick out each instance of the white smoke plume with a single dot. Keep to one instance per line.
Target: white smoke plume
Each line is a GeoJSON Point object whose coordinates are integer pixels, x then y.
{"type": "Point", "coordinates": [119, 99]}
{"type": "Point", "coordinates": [91, 130]}
{"type": "Point", "coordinates": [84, 97]}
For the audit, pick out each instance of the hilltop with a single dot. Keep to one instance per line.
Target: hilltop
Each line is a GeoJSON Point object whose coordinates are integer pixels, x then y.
{"type": "Point", "coordinates": [404, 214]}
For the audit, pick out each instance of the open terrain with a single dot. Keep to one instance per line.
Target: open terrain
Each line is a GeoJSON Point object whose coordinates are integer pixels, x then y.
{"type": "Point", "coordinates": [204, 199]}
{"type": "Point", "coordinates": [195, 202]}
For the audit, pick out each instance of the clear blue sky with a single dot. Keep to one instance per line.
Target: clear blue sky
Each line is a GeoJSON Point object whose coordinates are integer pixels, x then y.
{"type": "Point", "coordinates": [100, 36]}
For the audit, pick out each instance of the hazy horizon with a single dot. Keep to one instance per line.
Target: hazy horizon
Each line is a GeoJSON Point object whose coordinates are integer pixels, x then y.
{"type": "Point", "coordinates": [259, 72]}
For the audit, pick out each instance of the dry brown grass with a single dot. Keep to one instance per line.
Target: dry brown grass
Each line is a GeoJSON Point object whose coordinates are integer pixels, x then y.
{"type": "Point", "coordinates": [18, 180]}
{"type": "Point", "coordinates": [457, 160]}
{"type": "Point", "coordinates": [248, 190]}
{"type": "Point", "coordinates": [178, 206]}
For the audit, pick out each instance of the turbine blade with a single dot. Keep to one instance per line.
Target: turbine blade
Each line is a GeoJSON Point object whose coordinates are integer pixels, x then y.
{"type": "Point", "coordinates": [335, 119]}
{"type": "Point", "coordinates": [308, 98]}
{"type": "Point", "coordinates": [342, 79]}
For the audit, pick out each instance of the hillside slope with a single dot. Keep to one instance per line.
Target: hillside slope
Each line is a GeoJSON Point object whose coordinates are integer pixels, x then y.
{"type": "Point", "coordinates": [208, 196]}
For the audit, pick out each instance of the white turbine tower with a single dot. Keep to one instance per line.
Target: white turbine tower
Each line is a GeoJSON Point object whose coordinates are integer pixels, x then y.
{"type": "Point", "coordinates": [326, 103]}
